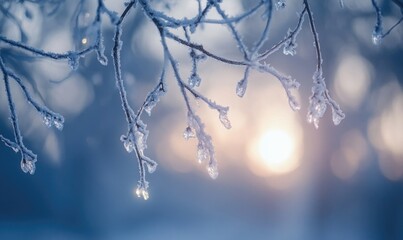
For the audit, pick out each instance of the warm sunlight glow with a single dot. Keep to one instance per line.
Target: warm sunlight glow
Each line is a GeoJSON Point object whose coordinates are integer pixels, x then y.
{"type": "Point", "coordinates": [276, 148]}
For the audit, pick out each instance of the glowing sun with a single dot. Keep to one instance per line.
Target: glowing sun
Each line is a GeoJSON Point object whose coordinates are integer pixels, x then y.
{"type": "Point", "coordinates": [276, 148]}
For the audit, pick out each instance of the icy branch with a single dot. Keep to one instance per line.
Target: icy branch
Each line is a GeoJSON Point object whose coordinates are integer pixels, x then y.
{"type": "Point", "coordinates": [378, 30]}
{"type": "Point", "coordinates": [251, 57]}
{"type": "Point", "coordinates": [28, 159]}
{"type": "Point", "coordinates": [320, 97]}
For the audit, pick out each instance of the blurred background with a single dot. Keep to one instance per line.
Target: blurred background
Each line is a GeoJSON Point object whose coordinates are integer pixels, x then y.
{"type": "Point", "coordinates": [280, 178]}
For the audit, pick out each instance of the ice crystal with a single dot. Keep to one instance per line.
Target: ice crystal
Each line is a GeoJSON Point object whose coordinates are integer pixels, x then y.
{"type": "Point", "coordinates": [293, 103]}
{"type": "Point", "coordinates": [337, 116]}
{"type": "Point", "coordinates": [316, 110]}
{"type": "Point", "coordinates": [224, 119]}
{"type": "Point", "coordinates": [128, 142]}
{"type": "Point", "coordinates": [28, 164]}
{"type": "Point", "coordinates": [142, 192]}
{"type": "Point", "coordinates": [152, 99]}
{"type": "Point", "coordinates": [192, 27]}
{"type": "Point", "coordinates": [188, 133]}
{"type": "Point", "coordinates": [73, 60]}
{"type": "Point", "coordinates": [202, 153]}
{"type": "Point", "coordinates": [318, 100]}
{"type": "Point", "coordinates": [377, 37]}
{"type": "Point", "coordinates": [47, 120]}
{"type": "Point", "coordinates": [141, 138]}
{"type": "Point", "coordinates": [241, 87]}
{"type": "Point", "coordinates": [280, 4]}
{"type": "Point", "coordinates": [212, 170]}
{"type": "Point", "coordinates": [142, 189]}
{"type": "Point", "coordinates": [289, 48]}
{"type": "Point", "coordinates": [151, 165]}
{"type": "Point", "coordinates": [53, 120]}
{"type": "Point", "coordinates": [102, 59]}
{"type": "Point", "coordinates": [194, 80]}
{"type": "Point", "coordinates": [101, 49]}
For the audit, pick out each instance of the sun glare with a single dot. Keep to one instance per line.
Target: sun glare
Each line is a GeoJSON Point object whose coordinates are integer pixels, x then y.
{"type": "Point", "coordinates": [276, 148]}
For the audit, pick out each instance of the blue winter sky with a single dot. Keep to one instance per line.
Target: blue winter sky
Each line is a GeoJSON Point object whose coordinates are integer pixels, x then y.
{"type": "Point", "coordinates": [279, 177]}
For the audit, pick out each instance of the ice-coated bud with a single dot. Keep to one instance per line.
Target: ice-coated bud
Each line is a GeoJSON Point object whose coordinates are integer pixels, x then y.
{"type": "Point", "coordinates": [151, 165]}
{"type": "Point", "coordinates": [202, 153]}
{"type": "Point", "coordinates": [194, 80]}
{"type": "Point", "coordinates": [241, 87]}
{"type": "Point", "coordinates": [337, 116]}
{"type": "Point", "coordinates": [212, 171]}
{"type": "Point", "coordinates": [189, 133]}
{"type": "Point", "coordinates": [141, 192]}
{"type": "Point", "coordinates": [28, 165]}
{"type": "Point", "coordinates": [127, 143]}
{"type": "Point", "coordinates": [280, 4]}
{"type": "Point", "coordinates": [224, 119]}
{"type": "Point", "coordinates": [73, 60]}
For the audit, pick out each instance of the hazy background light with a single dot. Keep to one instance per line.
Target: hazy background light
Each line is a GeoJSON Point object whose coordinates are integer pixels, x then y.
{"type": "Point", "coordinates": [385, 129]}
{"type": "Point", "coordinates": [352, 80]}
{"type": "Point", "coordinates": [353, 151]}
{"type": "Point", "coordinates": [276, 147]}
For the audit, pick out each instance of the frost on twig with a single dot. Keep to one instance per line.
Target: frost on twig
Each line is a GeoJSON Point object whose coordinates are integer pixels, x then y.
{"type": "Point", "coordinates": [319, 100]}
{"type": "Point", "coordinates": [72, 57]}
{"type": "Point", "coordinates": [378, 34]}
{"type": "Point", "coordinates": [205, 148]}
{"type": "Point", "coordinates": [28, 158]}
{"type": "Point", "coordinates": [320, 97]}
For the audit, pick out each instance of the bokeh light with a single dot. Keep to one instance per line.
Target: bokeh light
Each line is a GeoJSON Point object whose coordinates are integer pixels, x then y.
{"type": "Point", "coordinates": [276, 147]}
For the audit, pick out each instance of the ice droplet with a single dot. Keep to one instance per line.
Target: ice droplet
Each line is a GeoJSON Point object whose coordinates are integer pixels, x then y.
{"type": "Point", "coordinates": [377, 37]}
{"type": "Point", "coordinates": [241, 87]}
{"type": "Point", "coordinates": [192, 27]}
{"type": "Point", "coordinates": [194, 80]}
{"type": "Point", "coordinates": [224, 119]}
{"type": "Point", "coordinates": [212, 171]}
{"type": "Point", "coordinates": [53, 120]}
{"type": "Point", "coordinates": [188, 133]}
{"type": "Point", "coordinates": [202, 153]}
{"type": "Point", "coordinates": [129, 146]}
{"type": "Point", "coordinates": [151, 103]}
{"type": "Point", "coordinates": [294, 104]}
{"type": "Point", "coordinates": [102, 59]}
{"type": "Point", "coordinates": [313, 119]}
{"type": "Point", "coordinates": [28, 165]}
{"type": "Point", "coordinates": [145, 194]}
{"type": "Point", "coordinates": [319, 109]}
{"type": "Point", "coordinates": [73, 60]}
{"type": "Point", "coordinates": [289, 49]}
{"type": "Point", "coordinates": [151, 165]}
{"type": "Point", "coordinates": [280, 4]}
{"type": "Point", "coordinates": [127, 143]}
{"type": "Point", "coordinates": [337, 116]}
{"type": "Point", "coordinates": [140, 141]}
{"type": "Point", "coordinates": [15, 148]}
{"type": "Point", "coordinates": [47, 120]}
{"type": "Point", "coordinates": [153, 98]}
{"type": "Point", "coordinates": [58, 123]}
{"type": "Point", "coordinates": [141, 192]}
